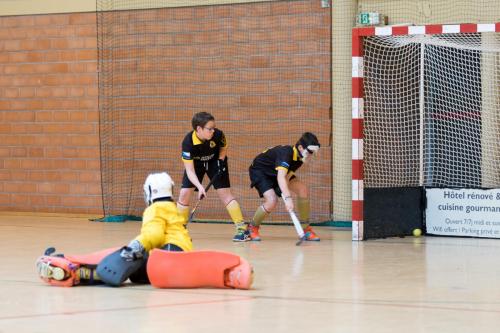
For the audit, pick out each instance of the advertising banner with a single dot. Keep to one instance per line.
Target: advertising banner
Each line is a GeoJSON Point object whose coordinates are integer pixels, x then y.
{"type": "Point", "coordinates": [463, 212]}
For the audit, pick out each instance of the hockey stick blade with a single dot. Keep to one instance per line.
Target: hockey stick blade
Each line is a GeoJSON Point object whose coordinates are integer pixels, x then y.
{"type": "Point", "coordinates": [303, 238]}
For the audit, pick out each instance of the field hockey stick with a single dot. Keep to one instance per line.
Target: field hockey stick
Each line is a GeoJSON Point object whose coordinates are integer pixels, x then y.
{"type": "Point", "coordinates": [199, 200]}
{"type": "Point", "coordinates": [296, 224]}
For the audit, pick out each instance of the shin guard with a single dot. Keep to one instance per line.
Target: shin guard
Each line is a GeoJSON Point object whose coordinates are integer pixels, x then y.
{"type": "Point", "coordinates": [114, 270]}
{"type": "Point", "coordinates": [69, 270]}
{"type": "Point", "coordinates": [198, 269]}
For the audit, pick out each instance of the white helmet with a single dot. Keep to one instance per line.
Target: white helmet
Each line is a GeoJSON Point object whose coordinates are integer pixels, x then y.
{"type": "Point", "coordinates": [157, 185]}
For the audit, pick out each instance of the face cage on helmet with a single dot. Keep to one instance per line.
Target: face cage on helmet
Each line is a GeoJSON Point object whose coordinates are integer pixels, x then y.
{"type": "Point", "coordinates": [147, 196]}
{"type": "Point", "coordinates": [312, 149]}
{"type": "Point", "coordinates": [308, 151]}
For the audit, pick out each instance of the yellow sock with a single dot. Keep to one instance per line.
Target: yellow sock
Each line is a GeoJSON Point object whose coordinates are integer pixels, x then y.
{"type": "Point", "coordinates": [259, 216]}
{"type": "Point", "coordinates": [87, 273]}
{"type": "Point", "coordinates": [183, 211]}
{"type": "Point", "coordinates": [234, 210]}
{"type": "Point", "coordinates": [303, 207]}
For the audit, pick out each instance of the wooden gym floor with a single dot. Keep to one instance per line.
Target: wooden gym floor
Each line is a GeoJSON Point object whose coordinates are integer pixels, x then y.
{"type": "Point", "coordinates": [428, 284]}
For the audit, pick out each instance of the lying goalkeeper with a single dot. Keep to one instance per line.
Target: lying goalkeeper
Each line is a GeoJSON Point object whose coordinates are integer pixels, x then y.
{"type": "Point", "coordinates": [161, 254]}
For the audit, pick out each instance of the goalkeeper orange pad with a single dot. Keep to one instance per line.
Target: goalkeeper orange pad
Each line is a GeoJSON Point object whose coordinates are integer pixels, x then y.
{"type": "Point", "coordinates": [196, 269]}
{"type": "Point", "coordinates": [69, 270]}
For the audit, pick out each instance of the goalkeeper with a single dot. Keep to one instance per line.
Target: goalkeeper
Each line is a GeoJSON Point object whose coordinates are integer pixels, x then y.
{"type": "Point", "coordinates": [272, 173]}
{"type": "Point", "coordinates": [161, 254]}
{"type": "Point", "coordinates": [204, 151]}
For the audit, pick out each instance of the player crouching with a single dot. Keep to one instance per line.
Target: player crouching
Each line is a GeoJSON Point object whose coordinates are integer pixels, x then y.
{"type": "Point", "coordinates": [272, 173]}
{"type": "Point", "coordinates": [161, 254]}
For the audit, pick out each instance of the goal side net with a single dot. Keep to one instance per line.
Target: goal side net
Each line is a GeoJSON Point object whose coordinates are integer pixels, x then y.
{"type": "Point", "coordinates": [426, 113]}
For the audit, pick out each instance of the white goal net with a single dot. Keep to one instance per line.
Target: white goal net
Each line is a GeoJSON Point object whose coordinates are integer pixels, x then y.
{"type": "Point", "coordinates": [432, 110]}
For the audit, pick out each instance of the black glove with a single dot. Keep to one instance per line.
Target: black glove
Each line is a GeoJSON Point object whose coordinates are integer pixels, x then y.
{"type": "Point", "coordinates": [222, 165]}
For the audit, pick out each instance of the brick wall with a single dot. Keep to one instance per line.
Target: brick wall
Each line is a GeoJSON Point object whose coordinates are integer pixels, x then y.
{"type": "Point", "coordinates": [49, 142]}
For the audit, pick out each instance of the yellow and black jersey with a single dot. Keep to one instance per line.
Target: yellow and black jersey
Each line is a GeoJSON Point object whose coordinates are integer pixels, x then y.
{"type": "Point", "coordinates": [280, 157]}
{"type": "Point", "coordinates": [194, 149]}
{"type": "Point", "coordinates": [162, 224]}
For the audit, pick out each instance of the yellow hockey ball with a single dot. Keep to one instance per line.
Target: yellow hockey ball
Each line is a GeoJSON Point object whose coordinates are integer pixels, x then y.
{"type": "Point", "coordinates": [417, 232]}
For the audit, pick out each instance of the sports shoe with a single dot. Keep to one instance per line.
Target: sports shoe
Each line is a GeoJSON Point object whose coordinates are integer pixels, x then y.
{"type": "Point", "coordinates": [254, 232]}
{"type": "Point", "coordinates": [242, 235]}
{"type": "Point", "coordinates": [133, 251]}
{"type": "Point", "coordinates": [310, 235]}
{"type": "Point", "coordinates": [47, 271]}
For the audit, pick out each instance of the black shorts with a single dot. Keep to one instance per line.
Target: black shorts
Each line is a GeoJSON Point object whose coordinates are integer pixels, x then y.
{"type": "Point", "coordinates": [263, 182]}
{"type": "Point", "coordinates": [209, 168]}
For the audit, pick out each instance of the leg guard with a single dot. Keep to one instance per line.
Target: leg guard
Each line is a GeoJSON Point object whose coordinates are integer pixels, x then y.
{"type": "Point", "coordinates": [198, 269]}
{"type": "Point", "coordinates": [70, 270]}
{"type": "Point", "coordinates": [92, 259]}
{"type": "Point", "coordinates": [114, 270]}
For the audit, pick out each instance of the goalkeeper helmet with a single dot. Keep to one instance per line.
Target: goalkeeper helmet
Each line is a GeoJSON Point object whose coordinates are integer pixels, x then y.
{"type": "Point", "coordinates": [156, 186]}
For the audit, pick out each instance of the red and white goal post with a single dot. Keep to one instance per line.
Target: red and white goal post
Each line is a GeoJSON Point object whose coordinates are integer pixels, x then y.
{"type": "Point", "coordinates": [425, 115]}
